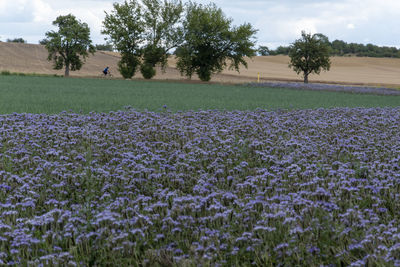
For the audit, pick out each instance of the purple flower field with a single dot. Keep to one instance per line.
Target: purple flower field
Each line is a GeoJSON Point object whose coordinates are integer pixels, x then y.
{"type": "Point", "coordinates": [210, 188]}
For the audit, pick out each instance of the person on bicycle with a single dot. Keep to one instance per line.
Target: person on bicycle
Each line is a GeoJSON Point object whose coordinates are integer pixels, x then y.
{"type": "Point", "coordinates": [106, 71]}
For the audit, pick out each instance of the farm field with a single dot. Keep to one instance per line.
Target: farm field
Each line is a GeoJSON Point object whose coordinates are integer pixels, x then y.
{"type": "Point", "coordinates": [51, 95]}
{"type": "Point", "coordinates": [209, 188]}
{"type": "Point", "coordinates": [29, 58]}
{"type": "Point", "coordinates": [112, 172]}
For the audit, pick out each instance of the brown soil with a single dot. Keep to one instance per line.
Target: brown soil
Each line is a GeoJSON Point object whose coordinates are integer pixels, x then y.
{"type": "Point", "coordinates": [29, 58]}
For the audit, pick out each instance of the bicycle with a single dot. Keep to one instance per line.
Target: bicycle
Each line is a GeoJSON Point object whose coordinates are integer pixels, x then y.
{"type": "Point", "coordinates": [105, 75]}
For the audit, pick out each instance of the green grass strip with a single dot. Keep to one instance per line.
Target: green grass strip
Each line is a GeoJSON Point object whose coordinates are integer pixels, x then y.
{"type": "Point", "coordinates": [38, 94]}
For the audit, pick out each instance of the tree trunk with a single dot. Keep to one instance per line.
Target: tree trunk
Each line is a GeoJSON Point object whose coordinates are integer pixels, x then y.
{"type": "Point", "coordinates": [66, 70]}
{"type": "Point", "coordinates": [305, 77]}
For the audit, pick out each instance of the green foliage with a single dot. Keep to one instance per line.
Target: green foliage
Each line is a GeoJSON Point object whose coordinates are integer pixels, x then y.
{"type": "Point", "coordinates": [147, 71]}
{"type": "Point", "coordinates": [309, 54]}
{"type": "Point", "coordinates": [153, 55]}
{"type": "Point", "coordinates": [341, 48]}
{"type": "Point", "coordinates": [5, 72]}
{"type": "Point", "coordinates": [128, 65]}
{"type": "Point", "coordinates": [16, 40]}
{"type": "Point", "coordinates": [210, 42]}
{"type": "Point", "coordinates": [125, 29]}
{"type": "Point", "coordinates": [148, 30]}
{"type": "Point", "coordinates": [323, 38]}
{"type": "Point", "coordinates": [43, 41]}
{"type": "Point", "coordinates": [162, 31]}
{"type": "Point", "coordinates": [263, 50]}
{"type": "Point", "coordinates": [282, 50]}
{"type": "Point", "coordinates": [71, 41]}
{"type": "Point", "coordinates": [104, 47]}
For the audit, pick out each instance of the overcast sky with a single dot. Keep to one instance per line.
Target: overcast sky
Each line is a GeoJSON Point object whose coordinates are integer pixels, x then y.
{"type": "Point", "coordinates": [279, 22]}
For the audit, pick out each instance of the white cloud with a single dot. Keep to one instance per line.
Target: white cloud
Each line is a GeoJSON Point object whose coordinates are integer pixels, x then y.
{"type": "Point", "coordinates": [350, 26]}
{"type": "Point", "coordinates": [32, 18]}
{"type": "Point", "coordinates": [42, 11]}
{"type": "Point", "coordinates": [16, 11]}
{"type": "Point", "coordinates": [279, 22]}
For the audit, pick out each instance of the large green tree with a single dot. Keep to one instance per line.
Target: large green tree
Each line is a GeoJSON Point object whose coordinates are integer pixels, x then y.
{"type": "Point", "coordinates": [143, 32]}
{"type": "Point", "coordinates": [210, 42]}
{"type": "Point", "coordinates": [310, 54]}
{"type": "Point", "coordinates": [67, 45]}
{"type": "Point", "coordinates": [162, 33]}
{"type": "Point", "coordinates": [125, 29]}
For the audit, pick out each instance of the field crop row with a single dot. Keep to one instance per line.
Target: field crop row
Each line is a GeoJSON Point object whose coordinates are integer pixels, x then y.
{"type": "Point", "coordinates": [201, 188]}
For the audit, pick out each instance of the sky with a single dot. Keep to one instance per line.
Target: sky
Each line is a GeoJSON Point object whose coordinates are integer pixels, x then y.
{"type": "Point", "coordinates": [279, 22]}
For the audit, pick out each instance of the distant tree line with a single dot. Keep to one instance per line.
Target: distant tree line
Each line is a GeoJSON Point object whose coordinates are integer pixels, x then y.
{"type": "Point", "coordinates": [341, 48]}
{"type": "Point", "coordinates": [16, 40]}
{"type": "Point", "coordinates": [104, 47]}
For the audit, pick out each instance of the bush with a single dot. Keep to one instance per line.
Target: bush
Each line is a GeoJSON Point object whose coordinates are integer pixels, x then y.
{"type": "Point", "coordinates": [104, 47]}
{"type": "Point", "coordinates": [204, 73]}
{"type": "Point", "coordinates": [16, 40]}
{"type": "Point", "coordinates": [147, 71]}
{"type": "Point", "coordinates": [127, 66]}
{"type": "Point", "coordinates": [5, 72]}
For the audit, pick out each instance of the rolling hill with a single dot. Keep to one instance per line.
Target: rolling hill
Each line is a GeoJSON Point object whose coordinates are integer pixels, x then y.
{"type": "Point", "coordinates": [29, 58]}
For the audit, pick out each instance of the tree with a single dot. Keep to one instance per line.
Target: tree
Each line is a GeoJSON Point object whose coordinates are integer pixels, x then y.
{"type": "Point", "coordinates": [126, 30]}
{"type": "Point", "coordinates": [209, 42]}
{"type": "Point", "coordinates": [144, 32]}
{"type": "Point", "coordinates": [66, 45]}
{"type": "Point", "coordinates": [43, 41]}
{"type": "Point", "coordinates": [162, 33]}
{"type": "Point", "coordinates": [104, 47]}
{"type": "Point", "coordinates": [339, 47]}
{"type": "Point", "coordinates": [263, 50]}
{"type": "Point", "coordinates": [282, 50]}
{"type": "Point", "coordinates": [16, 40]}
{"type": "Point", "coordinates": [323, 38]}
{"type": "Point", "coordinates": [309, 54]}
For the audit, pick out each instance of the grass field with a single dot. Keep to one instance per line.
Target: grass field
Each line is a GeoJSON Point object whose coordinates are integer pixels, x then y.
{"type": "Point", "coordinates": [27, 94]}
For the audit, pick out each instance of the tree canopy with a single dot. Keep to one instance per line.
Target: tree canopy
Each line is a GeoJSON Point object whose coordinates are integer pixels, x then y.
{"type": "Point", "coordinates": [210, 42]}
{"type": "Point", "coordinates": [66, 45]}
{"type": "Point", "coordinates": [104, 47]}
{"type": "Point", "coordinates": [309, 54]}
{"type": "Point", "coordinates": [263, 50]}
{"type": "Point", "coordinates": [162, 33]}
{"type": "Point", "coordinates": [143, 33]}
{"type": "Point", "coordinates": [341, 48]}
{"type": "Point", "coordinates": [125, 29]}
{"type": "Point", "coordinates": [16, 40]}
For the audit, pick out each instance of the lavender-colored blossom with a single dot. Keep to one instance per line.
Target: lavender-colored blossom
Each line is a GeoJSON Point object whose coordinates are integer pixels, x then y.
{"type": "Point", "coordinates": [210, 187]}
